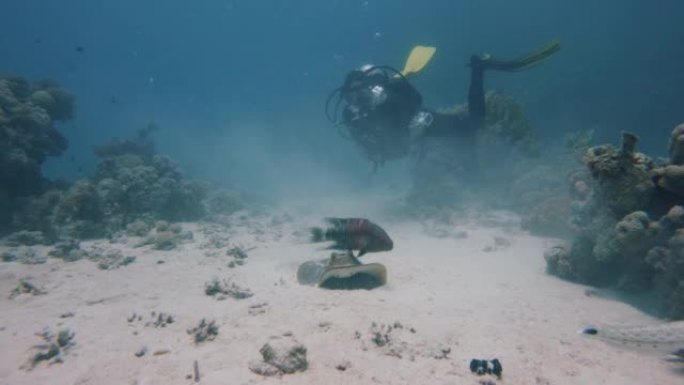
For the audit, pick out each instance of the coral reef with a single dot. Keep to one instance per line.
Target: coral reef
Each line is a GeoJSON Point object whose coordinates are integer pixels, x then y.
{"type": "Point", "coordinates": [622, 179]}
{"type": "Point", "coordinates": [677, 145]}
{"type": "Point", "coordinates": [450, 168]}
{"type": "Point", "coordinates": [69, 251]}
{"type": "Point", "coordinates": [671, 178]}
{"type": "Point", "coordinates": [79, 214]}
{"type": "Point", "coordinates": [112, 260]}
{"type": "Point", "coordinates": [505, 120]}
{"type": "Point", "coordinates": [557, 261]}
{"type": "Point", "coordinates": [627, 222]}
{"type": "Point", "coordinates": [35, 213]}
{"type": "Point", "coordinates": [165, 236]}
{"type": "Point", "coordinates": [131, 190]}
{"type": "Point", "coordinates": [137, 183]}
{"type": "Point", "coordinates": [26, 238]}
{"type": "Point", "coordinates": [24, 254]}
{"type": "Point", "coordinates": [141, 145]}
{"type": "Point", "coordinates": [28, 136]}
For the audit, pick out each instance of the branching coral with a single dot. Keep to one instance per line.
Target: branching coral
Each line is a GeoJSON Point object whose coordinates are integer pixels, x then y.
{"type": "Point", "coordinates": [131, 182]}
{"type": "Point", "coordinates": [79, 213]}
{"type": "Point", "coordinates": [133, 185]}
{"type": "Point", "coordinates": [27, 132]}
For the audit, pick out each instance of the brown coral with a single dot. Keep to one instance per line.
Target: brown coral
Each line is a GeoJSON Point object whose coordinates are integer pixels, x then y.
{"type": "Point", "coordinates": [677, 145]}
{"type": "Point", "coordinates": [27, 132]}
{"type": "Point", "coordinates": [671, 178]}
{"type": "Point", "coordinates": [633, 230]}
{"type": "Point", "coordinates": [622, 179]}
{"type": "Point", "coordinates": [558, 262]}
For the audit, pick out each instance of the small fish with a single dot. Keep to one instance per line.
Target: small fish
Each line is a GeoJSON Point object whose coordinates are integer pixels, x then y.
{"type": "Point", "coordinates": [661, 337]}
{"type": "Point", "coordinates": [79, 49]}
{"type": "Point", "coordinates": [353, 234]}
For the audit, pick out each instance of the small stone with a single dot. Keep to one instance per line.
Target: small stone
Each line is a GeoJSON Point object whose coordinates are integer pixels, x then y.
{"type": "Point", "coordinates": [141, 352]}
{"type": "Point", "coordinates": [344, 365]}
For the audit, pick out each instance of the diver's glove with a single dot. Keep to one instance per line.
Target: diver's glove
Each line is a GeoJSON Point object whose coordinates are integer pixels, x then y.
{"type": "Point", "coordinates": [487, 62]}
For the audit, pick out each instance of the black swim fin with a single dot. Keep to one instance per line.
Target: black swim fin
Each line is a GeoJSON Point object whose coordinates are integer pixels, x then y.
{"type": "Point", "coordinates": [521, 63]}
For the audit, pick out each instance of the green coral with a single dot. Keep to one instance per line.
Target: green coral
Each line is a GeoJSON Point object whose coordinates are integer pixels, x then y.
{"type": "Point", "coordinates": [505, 119]}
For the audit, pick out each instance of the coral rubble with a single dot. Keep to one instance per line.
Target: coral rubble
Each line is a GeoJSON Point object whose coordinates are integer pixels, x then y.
{"type": "Point", "coordinates": [281, 355]}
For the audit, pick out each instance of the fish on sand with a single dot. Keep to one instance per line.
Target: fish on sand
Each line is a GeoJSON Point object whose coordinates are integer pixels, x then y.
{"type": "Point", "coordinates": [353, 234]}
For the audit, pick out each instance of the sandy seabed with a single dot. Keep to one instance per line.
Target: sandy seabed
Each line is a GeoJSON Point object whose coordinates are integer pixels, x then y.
{"type": "Point", "coordinates": [476, 289]}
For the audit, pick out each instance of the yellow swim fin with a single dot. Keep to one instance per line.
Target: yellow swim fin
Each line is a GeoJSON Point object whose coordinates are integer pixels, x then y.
{"type": "Point", "coordinates": [524, 62]}
{"type": "Point", "coordinates": [418, 58]}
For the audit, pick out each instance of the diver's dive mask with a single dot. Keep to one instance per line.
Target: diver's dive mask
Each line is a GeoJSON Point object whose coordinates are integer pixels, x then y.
{"type": "Point", "coordinates": [364, 89]}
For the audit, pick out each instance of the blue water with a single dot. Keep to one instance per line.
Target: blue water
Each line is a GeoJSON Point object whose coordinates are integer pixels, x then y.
{"type": "Point", "coordinates": [238, 87]}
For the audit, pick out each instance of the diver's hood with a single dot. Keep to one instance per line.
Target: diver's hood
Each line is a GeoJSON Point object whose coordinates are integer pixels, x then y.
{"type": "Point", "coordinates": [364, 88]}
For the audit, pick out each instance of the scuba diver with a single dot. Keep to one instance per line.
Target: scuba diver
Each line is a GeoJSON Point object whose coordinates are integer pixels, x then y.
{"type": "Point", "coordinates": [383, 113]}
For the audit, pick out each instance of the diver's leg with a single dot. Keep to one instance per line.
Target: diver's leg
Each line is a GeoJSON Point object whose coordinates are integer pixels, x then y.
{"type": "Point", "coordinates": [480, 63]}
{"type": "Point", "coordinates": [476, 96]}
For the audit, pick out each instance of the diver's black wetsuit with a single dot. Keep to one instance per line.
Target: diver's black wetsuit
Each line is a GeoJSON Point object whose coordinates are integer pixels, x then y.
{"type": "Point", "coordinates": [381, 123]}
{"type": "Point", "coordinates": [383, 112]}
{"type": "Point", "coordinates": [383, 130]}
{"type": "Point", "coordinates": [464, 127]}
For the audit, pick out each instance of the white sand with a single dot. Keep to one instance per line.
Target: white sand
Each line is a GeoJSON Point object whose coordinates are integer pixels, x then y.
{"type": "Point", "coordinates": [455, 295]}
